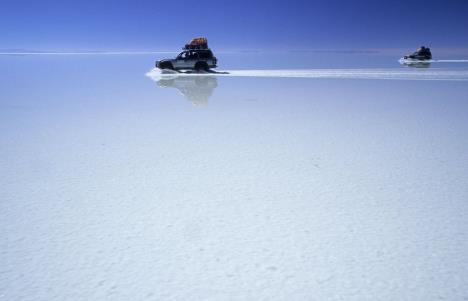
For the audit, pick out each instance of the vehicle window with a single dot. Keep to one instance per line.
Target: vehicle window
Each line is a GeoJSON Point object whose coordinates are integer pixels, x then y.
{"type": "Point", "coordinates": [205, 54]}
{"type": "Point", "coordinates": [193, 55]}
{"type": "Point", "coordinates": [182, 55]}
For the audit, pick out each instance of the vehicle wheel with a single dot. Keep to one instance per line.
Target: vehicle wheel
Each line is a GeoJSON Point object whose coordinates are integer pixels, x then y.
{"type": "Point", "coordinates": [166, 65]}
{"type": "Point", "coordinates": [201, 66]}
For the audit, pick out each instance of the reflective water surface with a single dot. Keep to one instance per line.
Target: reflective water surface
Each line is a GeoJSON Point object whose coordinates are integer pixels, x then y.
{"type": "Point", "coordinates": [116, 186]}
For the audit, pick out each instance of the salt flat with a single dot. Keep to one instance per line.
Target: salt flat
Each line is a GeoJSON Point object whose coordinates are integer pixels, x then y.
{"type": "Point", "coordinates": [117, 187]}
{"type": "Point", "coordinates": [386, 74]}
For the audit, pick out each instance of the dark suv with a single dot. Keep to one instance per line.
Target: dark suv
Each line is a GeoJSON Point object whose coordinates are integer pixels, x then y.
{"type": "Point", "coordinates": [422, 54]}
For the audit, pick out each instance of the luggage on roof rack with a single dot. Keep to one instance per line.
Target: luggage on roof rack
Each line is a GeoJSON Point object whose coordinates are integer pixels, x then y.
{"type": "Point", "coordinates": [197, 43]}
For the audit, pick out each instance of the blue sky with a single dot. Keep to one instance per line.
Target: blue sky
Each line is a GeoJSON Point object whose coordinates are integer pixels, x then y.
{"type": "Point", "coordinates": [165, 25]}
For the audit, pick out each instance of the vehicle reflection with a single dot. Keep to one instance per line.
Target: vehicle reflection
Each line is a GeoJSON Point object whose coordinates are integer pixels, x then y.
{"type": "Point", "coordinates": [197, 89]}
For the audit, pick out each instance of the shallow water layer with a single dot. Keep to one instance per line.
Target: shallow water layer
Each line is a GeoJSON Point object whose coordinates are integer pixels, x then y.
{"type": "Point", "coordinates": [116, 186]}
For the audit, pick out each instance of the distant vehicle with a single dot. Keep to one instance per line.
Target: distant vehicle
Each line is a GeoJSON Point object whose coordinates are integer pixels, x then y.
{"type": "Point", "coordinates": [421, 58]}
{"type": "Point", "coordinates": [422, 54]}
{"type": "Point", "coordinates": [196, 56]}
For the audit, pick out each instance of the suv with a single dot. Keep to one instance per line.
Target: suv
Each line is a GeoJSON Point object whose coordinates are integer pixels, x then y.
{"type": "Point", "coordinates": [196, 56]}
{"type": "Point", "coordinates": [191, 59]}
{"type": "Point", "coordinates": [422, 54]}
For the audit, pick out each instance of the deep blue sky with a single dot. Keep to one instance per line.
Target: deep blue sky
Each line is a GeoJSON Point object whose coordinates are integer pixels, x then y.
{"type": "Point", "coordinates": [165, 25]}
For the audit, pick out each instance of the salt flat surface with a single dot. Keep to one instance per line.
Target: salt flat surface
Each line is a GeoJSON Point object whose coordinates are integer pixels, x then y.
{"type": "Point", "coordinates": [116, 187]}
{"type": "Point", "coordinates": [398, 74]}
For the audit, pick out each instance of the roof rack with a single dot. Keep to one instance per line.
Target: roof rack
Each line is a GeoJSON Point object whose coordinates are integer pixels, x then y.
{"type": "Point", "coordinates": [197, 43]}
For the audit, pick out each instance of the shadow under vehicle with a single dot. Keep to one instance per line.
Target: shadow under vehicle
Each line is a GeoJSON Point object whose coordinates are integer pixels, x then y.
{"type": "Point", "coordinates": [197, 89]}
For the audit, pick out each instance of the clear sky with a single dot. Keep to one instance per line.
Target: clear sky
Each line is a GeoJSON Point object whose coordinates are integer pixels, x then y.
{"type": "Point", "coordinates": [293, 24]}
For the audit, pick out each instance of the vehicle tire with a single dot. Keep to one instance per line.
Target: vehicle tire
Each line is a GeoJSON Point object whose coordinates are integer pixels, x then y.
{"type": "Point", "coordinates": [201, 66]}
{"type": "Point", "coordinates": [166, 65]}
